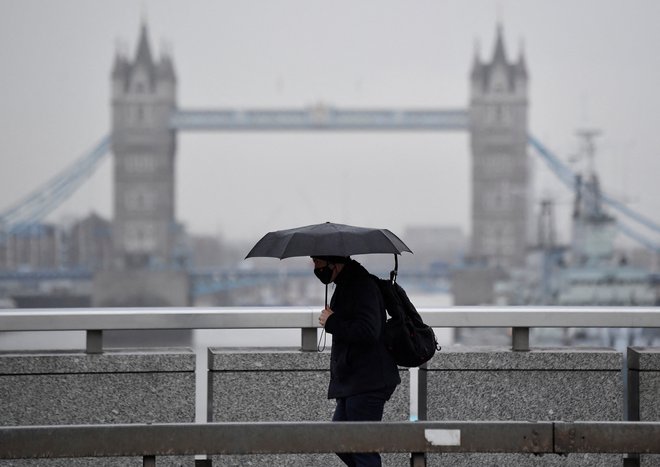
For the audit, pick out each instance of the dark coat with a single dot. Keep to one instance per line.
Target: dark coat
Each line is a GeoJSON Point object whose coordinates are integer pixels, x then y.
{"type": "Point", "coordinates": [359, 360]}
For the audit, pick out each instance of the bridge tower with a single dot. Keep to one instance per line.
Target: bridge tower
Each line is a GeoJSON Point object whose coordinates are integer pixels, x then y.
{"type": "Point", "coordinates": [143, 98]}
{"type": "Point", "coordinates": [144, 231]}
{"type": "Point", "coordinates": [500, 172]}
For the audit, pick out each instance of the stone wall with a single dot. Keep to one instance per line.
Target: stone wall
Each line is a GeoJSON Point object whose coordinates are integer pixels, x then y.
{"type": "Point", "coordinates": [283, 385]}
{"type": "Point", "coordinates": [500, 384]}
{"type": "Point", "coordinates": [113, 387]}
{"type": "Point", "coordinates": [463, 383]}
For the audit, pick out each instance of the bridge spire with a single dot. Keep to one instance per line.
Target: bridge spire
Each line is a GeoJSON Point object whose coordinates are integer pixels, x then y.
{"type": "Point", "coordinates": [499, 54]}
{"type": "Point", "coordinates": [476, 62]}
{"type": "Point", "coordinates": [143, 54]}
{"type": "Point", "coordinates": [521, 65]}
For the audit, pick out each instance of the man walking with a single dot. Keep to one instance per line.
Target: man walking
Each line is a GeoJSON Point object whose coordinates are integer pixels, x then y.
{"type": "Point", "coordinates": [363, 375]}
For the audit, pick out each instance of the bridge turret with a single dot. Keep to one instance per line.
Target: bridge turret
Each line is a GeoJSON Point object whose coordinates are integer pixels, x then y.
{"type": "Point", "coordinates": [144, 145]}
{"type": "Point", "coordinates": [500, 173]}
{"type": "Point", "coordinates": [144, 229]}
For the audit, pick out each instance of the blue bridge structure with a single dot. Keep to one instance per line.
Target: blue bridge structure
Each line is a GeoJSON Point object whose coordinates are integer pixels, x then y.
{"type": "Point", "coordinates": [34, 208]}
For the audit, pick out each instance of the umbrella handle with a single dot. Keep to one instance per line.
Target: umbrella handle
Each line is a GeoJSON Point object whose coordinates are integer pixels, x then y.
{"type": "Point", "coordinates": [394, 272]}
{"type": "Point", "coordinates": [320, 348]}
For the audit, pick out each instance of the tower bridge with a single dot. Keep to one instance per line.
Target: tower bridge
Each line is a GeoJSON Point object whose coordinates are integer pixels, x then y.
{"type": "Point", "coordinates": [146, 118]}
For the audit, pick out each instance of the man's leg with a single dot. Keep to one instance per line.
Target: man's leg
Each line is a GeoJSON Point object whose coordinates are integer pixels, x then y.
{"type": "Point", "coordinates": [367, 407]}
{"type": "Point", "coordinates": [340, 416]}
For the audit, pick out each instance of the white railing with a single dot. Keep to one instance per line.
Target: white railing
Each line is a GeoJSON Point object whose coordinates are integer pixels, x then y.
{"type": "Point", "coordinates": [520, 319]}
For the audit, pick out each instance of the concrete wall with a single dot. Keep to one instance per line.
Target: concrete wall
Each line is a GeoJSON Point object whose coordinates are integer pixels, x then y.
{"type": "Point", "coordinates": [283, 385]}
{"type": "Point", "coordinates": [644, 390]}
{"type": "Point", "coordinates": [78, 388]}
{"type": "Point", "coordinates": [290, 385]}
{"type": "Point", "coordinates": [500, 384]}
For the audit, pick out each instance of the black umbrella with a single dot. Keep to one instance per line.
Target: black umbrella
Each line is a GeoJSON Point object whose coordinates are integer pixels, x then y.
{"type": "Point", "coordinates": [327, 239]}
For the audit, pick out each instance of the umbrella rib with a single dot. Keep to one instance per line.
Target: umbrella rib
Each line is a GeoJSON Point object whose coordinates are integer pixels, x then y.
{"type": "Point", "coordinates": [285, 253]}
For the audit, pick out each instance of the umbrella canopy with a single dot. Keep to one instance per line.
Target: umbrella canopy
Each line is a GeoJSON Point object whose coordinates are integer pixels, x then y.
{"type": "Point", "coordinates": [327, 239]}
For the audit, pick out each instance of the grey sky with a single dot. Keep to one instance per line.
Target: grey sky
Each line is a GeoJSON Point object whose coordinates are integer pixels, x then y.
{"type": "Point", "coordinates": [592, 63]}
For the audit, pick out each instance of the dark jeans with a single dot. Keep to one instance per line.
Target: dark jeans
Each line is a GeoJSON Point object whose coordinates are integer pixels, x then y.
{"type": "Point", "coordinates": [366, 407]}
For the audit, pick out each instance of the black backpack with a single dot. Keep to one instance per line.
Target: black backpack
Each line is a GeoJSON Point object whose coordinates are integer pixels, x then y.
{"type": "Point", "coordinates": [409, 340]}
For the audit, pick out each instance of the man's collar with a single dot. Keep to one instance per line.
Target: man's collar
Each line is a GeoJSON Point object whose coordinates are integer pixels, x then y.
{"type": "Point", "coordinates": [341, 275]}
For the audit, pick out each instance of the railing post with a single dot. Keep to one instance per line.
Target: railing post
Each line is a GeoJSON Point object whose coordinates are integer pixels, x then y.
{"type": "Point", "coordinates": [94, 342]}
{"type": "Point", "coordinates": [520, 339]}
{"type": "Point", "coordinates": [308, 338]}
{"type": "Point", "coordinates": [631, 460]}
{"type": "Point", "coordinates": [418, 459]}
{"type": "Point", "coordinates": [422, 392]}
{"type": "Point", "coordinates": [632, 402]}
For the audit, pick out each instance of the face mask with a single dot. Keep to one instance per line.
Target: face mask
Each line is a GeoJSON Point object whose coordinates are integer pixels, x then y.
{"type": "Point", "coordinates": [324, 274]}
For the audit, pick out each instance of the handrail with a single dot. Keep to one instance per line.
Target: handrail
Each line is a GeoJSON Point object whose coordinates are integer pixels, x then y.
{"type": "Point", "coordinates": [520, 319]}
{"type": "Point", "coordinates": [82, 319]}
{"type": "Point", "coordinates": [149, 440]}
{"type": "Point", "coordinates": [307, 317]}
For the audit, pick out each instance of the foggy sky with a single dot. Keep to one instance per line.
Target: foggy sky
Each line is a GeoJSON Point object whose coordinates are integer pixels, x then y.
{"type": "Point", "coordinates": [591, 63]}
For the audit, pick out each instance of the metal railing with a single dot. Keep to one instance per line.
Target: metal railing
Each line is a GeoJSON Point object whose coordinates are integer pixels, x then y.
{"type": "Point", "coordinates": [416, 438]}
{"type": "Point", "coordinates": [520, 319]}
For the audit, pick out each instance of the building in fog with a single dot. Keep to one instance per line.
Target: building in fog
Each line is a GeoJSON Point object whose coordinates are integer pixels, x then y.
{"type": "Point", "coordinates": [87, 244]}
{"type": "Point", "coordinates": [205, 251]}
{"type": "Point", "coordinates": [38, 246]}
{"type": "Point", "coordinates": [90, 243]}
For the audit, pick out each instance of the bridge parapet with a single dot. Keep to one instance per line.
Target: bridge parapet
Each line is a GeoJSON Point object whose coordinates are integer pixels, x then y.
{"type": "Point", "coordinates": [520, 319]}
{"type": "Point", "coordinates": [261, 384]}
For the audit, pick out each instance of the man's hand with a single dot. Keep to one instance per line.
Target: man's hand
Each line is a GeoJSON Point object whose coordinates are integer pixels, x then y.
{"type": "Point", "coordinates": [324, 316]}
